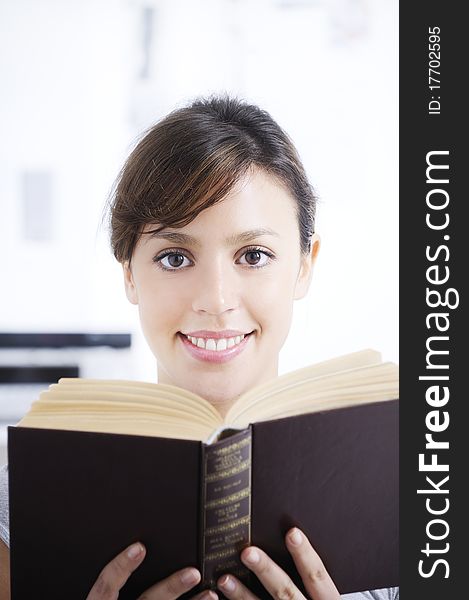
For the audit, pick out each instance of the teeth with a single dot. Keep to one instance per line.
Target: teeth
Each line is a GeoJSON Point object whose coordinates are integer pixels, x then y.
{"type": "Point", "coordinates": [216, 345]}
{"type": "Point", "coordinates": [210, 344]}
{"type": "Point", "coordinates": [221, 344]}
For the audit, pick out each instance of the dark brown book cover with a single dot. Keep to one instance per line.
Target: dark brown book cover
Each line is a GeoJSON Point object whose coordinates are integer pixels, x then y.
{"type": "Point", "coordinates": [79, 498]}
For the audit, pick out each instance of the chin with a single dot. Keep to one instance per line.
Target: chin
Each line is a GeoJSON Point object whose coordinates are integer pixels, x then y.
{"type": "Point", "coordinates": [221, 397]}
{"type": "Point", "coordinates": [216, 399]}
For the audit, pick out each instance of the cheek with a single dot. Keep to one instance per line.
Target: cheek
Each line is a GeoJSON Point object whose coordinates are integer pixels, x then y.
{"type": "Point", "coordinates": [158, 310]}
{"type": "Point", "coordinates": [272, 303]}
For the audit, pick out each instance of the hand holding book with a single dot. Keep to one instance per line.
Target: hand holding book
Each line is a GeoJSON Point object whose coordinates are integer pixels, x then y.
{"type": "Point", "coordinates": [276, 582]}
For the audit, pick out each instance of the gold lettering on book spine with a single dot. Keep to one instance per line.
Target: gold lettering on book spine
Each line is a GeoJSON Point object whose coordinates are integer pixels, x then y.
{"type": "Point", "coordinates": [228, 499]}
{"type": "Point", "coordinates": [228, 527]}
{"type": "Point", "coordinates": [226, 507]}
{"type": "Point", "coordinates": [229, 472]}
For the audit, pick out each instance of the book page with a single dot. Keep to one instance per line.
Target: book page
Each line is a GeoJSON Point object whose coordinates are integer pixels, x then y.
{"type": "Point", "coordinates": [277, 385]}
{"type": "Point", "coordinates": [123, 407]}
{"type": "Point", "coordinates": [356, 386]}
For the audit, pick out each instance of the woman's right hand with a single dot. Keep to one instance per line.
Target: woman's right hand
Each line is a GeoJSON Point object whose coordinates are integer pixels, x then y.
{"type": "Point", "coordinates": [115, 574]}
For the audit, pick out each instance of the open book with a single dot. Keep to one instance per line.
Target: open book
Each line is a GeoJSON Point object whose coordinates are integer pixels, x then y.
{"type": "Point", "coordinates": [99, 464]}
{"type": "Point", "coordinates": [133, 407]}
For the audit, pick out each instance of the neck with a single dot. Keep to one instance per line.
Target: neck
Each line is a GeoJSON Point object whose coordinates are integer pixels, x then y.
{"type": "Point", "coordinates": [221, 401]}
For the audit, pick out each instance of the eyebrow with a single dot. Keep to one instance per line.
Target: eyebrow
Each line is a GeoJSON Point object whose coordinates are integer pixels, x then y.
{"type": "Point", "coordinates": [232, 240]}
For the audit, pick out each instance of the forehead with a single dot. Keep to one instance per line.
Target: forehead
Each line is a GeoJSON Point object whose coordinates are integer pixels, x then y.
{"type": "Point", "coordinates": [259, 202]}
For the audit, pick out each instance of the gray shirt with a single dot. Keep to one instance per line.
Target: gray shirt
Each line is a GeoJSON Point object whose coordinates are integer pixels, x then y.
{"type": "Point", "coordinates": [4, 529]}
{"type": "Point", "coordinates": [385, 594]}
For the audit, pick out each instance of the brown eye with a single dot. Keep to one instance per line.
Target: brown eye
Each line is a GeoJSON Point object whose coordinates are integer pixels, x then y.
{"type": "Point", "coordinates": [175, 260]}
{"type": "Point", "coordinates": [253, 257]}
{"type": "Point", "coordinates": [172, 261]}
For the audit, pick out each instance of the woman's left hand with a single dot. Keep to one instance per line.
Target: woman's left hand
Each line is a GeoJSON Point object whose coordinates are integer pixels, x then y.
{"type": "Point", "coordinates": [316, 579]}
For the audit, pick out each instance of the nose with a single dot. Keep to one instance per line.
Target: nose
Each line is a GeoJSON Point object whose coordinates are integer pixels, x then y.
{"type": "Point", "coordinates": [216, 290]}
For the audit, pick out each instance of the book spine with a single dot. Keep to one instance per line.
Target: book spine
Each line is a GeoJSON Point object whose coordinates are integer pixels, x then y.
{"type": "Point", "coordinates": [226, 507]}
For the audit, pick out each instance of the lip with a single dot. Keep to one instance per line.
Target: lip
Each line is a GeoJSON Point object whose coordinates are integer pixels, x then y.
{"type": "Point", "coordinates": [215, 335]}
{"type": "Point", "coordinates": [214, 356]}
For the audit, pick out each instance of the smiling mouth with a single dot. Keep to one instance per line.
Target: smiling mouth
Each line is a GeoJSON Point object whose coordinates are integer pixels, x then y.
{"type": "Point", "coordinates": [216, 345]}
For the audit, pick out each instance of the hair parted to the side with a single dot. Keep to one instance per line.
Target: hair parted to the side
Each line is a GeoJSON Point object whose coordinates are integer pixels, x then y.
{"type": "Point", "coordinates": [192, 158]}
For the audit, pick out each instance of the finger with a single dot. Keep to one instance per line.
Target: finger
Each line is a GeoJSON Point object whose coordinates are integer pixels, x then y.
{"type": "Point", "coordinates": [234, 589]}
{"type": "Point", "coordinates": [272, 577]}
{"type": "Point", "coordinates": [206, 595]}
{"type": "Point", "coordinates": [173, 586]}
{"type": "Point", "coordinates": [114, 575]}
{"type": "Point", "coordinates": [316, 579]}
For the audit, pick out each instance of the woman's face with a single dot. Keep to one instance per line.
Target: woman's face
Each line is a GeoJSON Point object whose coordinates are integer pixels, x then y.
{"type": "Point", "coordinates": [234, 270]}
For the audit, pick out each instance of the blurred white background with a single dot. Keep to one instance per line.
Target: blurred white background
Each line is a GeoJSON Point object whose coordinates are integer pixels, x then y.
{"type": "Point", "coordinates": [80, 79]}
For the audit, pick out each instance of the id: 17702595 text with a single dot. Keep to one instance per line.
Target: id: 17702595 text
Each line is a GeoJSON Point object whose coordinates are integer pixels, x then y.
{"type": "Point", "coordinates": [434, 82]}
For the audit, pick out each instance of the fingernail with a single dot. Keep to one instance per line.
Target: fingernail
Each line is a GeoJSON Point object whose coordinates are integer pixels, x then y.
{"type": "Point", "coordinates": [252, 556]}
{"type": "Point", "coordinates": [227, 583]}
{"type": "Point", "coordinates": [209, 596]}
{"type": "Point", "coordinates": [295, 537]}
{"type": "Point", "coordinates": [190, 576]}
{"type": "Point", "coordinates": [134, 551]}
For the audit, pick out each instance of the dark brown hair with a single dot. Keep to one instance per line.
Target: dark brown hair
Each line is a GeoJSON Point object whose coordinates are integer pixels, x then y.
{"type": "Point", "coordinates": [192, 158]}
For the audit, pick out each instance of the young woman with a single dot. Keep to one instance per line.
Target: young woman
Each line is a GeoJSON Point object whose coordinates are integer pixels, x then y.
{"type": "Point", "coordinates": [212, 219]}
